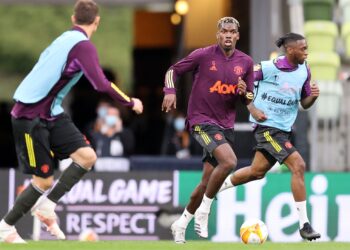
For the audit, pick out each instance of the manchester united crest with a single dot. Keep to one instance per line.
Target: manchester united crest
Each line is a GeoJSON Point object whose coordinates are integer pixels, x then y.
{"type": "Point", "coordinates": [238, 70]}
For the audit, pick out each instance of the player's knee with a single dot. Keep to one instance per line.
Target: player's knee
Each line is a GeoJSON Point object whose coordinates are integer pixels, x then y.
{"type": "Point", "coordinates": [230, 164]}
{"type": "Point", "coordinates": [91, 159]}
{"type": "Point", "coordinates": [258, 174]}
{"type": "Point", "coordinates": [88, 158]}
{"type": "Point", "coordinates": [43, 184]}
{"type": "Point", "coordinates": [299, 168]}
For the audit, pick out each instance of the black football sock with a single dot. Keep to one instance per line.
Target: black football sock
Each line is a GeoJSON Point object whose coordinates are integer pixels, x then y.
{"type": "Point", "coordinates": [67, 180]}
{"type": "Point", "coordinates": [23, 204]}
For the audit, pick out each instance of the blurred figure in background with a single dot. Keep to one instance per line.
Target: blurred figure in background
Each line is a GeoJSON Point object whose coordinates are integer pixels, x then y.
{"type": "Point", "coordinates": [176, 139]}
{"type": "Point", "coordinates": [112, 142]}
{"type": "Point", "coordinates": [101, 112]}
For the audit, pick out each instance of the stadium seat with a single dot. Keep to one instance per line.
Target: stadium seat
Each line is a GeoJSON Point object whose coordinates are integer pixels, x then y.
{"type": "Point", "coordinates": [318, 9]}
{"type": "Point", "coordinates": [345, 34]}
{"type": "Point", "coordinates": [324, 65]}
{"type": "Point", "coordinates": [328, 103]}
{"type": "Point", "coordinates": [321, 35]}
{"type": "Point", "coordinates": [345, 9]}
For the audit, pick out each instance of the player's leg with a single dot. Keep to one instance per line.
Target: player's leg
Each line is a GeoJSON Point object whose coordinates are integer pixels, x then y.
{"type": "Point", "coordinates": [178, 228]}
{"type": "Point", "coordinates": [255, 171]}
{"type": "Point", "coordinates": [296, 165]}
{"type": "Point", "coordinates": [227, 162]}
{"type": "Point", "coordinates": [24, 202]}
{"type": "Point", "coordinates": [277, 144]}
{"type": "Point", "coordinates": [83, 160]}
{"type": "Point", "coordinates": [32, 147]}
{"type": "Point", "coordinates": [66, 141]}
{"type": "Point", "coordinates": [218, 143]}
{"type": "Point", "coordinates": [197, 194]}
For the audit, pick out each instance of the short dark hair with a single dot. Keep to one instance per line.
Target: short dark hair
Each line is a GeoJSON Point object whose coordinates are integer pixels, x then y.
{"type": "Point", "coordinates": [227, 19]}
{"type": "Point", "coordinates": [85, 12]}
{"type": "Point", "coordinates": [287, 38]}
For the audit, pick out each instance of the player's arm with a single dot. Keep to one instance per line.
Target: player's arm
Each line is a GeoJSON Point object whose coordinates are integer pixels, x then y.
{"type": "Point", "coordinates": [187, 64]}
{"type": "Point", "coordinates": [87, 58]}
{"type": "Point", "coordinates": [257, 114]}
{"type": "Point", "coordinates": [245, 87]}
{"type": "Point", "coordinates": [169, 100]}
{"type": "Point", "coordinates": [309, 93]}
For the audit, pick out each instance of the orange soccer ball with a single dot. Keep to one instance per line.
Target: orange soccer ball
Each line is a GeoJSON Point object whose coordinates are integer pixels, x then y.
{"type": "Point", "coordinates": [253, 231]}
{"type": "Point", "coordinates": [88, 235]}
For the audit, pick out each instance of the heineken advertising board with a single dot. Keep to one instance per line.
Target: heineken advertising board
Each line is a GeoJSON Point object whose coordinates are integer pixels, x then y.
{"type": "Point", "coordinates": [271, 200]}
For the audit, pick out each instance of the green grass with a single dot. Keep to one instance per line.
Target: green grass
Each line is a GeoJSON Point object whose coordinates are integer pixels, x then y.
{"type": "Point", "coordinates": [168, 245]}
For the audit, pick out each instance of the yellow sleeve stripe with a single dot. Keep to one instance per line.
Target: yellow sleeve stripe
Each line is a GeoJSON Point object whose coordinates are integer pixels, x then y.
{"type": "Point", "coordinates": [30, 150]}
{"type": "Point", "coordinates": [121, 93]}
{"type": "Point", "coordinates": [274, 144]}
{"type": "Point", "coordinates": [169, 82]}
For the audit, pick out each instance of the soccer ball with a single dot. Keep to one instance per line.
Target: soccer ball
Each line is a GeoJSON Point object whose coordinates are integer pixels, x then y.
{"type": "Point", "coordinates": [88, 235]}
{"type": "Point", "coordinates": [253, 231]}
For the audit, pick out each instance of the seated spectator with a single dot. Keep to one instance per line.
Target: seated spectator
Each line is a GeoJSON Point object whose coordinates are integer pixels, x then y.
{"type": "Point", "coordinates": [112, 142]}
{"type": "Point", "coordinates": [101, 111]}
{"type": "Point", "coordinates": [176, 139]}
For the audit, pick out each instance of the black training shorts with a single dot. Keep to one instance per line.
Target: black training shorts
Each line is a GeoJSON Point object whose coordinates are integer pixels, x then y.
{"type": "Point", "coordinates": [273, 143]}
{"type": "Point", "coordinates": [40, 143]}
{"type": "Point", "coordinates": [210, 137]}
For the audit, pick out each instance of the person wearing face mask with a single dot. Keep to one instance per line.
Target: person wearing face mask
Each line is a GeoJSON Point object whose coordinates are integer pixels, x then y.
{"type": "Point", "coordinates": [112, 142]}
{"type": "Point", "coordinates": [177, 141]}
{"type": "Point", "coordinates": [101, 111]}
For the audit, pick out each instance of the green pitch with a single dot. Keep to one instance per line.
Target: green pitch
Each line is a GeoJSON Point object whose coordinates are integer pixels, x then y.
{"type": "Point", "coordinates": [168, 245]}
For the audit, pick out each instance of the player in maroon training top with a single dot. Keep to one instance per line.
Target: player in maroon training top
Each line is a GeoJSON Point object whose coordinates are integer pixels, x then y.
{"type": "Point", "coordinates": [222, 76]}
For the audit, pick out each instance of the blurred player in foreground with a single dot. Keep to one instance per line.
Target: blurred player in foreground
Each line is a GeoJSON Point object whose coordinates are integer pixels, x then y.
{"type": "Point", "coordinates": [44, 133]}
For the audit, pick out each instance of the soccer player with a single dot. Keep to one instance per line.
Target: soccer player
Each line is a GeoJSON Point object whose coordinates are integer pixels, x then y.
{"type": "Point", "coordinates": [44, 133]}
{"type": "Point", "coordinates": [281, 84]}
{"type": "Point", "coordinates": [222, 76]}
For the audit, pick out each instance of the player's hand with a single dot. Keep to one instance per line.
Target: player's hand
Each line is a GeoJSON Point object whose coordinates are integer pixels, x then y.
{"type": "Point", "coordinates": [258, 115]}
{"type": "Point", "coordinates": [241, 86]}
{"type": "Point", "coordinates": [138, 106]}
{"type": "Point", "coordinates": [315, 91]}
{"type": "Point", "coordinates": [169, 102]}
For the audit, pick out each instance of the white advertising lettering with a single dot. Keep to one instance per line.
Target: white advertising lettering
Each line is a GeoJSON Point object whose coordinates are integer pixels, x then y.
{"type": "Point", "coordinates": [120, 191]}
{"type": "Point", "coordinates": [108, 223]}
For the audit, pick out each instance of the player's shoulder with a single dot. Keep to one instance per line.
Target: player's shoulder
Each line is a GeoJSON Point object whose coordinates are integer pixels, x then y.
{"type": "Point", "coordinates": [244, 56]}
{"type": "Point", "coordinates": [205, 50]}
{"type": "Point", "coordinates": [202, 53]}
{"type": "Point", "coordinates": [85, 45]}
